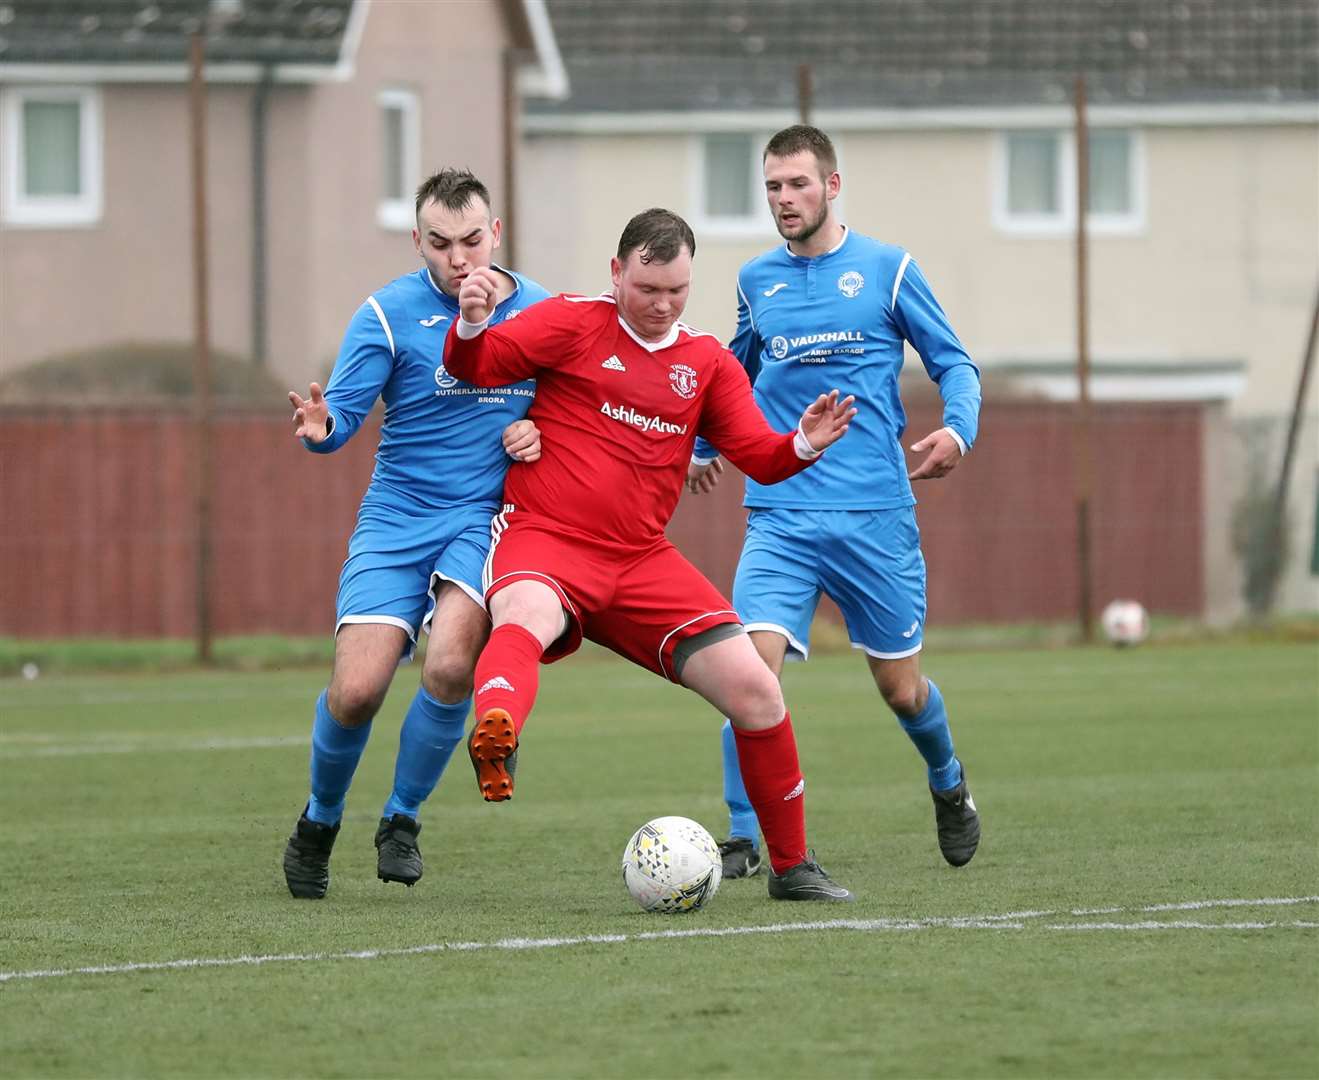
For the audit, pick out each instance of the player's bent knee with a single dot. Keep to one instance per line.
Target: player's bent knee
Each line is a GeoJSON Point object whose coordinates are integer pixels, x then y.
{"type": "Point", "coordinates": [532, 605]}
{"type": "Point", "coordinates": [448, 680]}
{"type": "Point", "coordinates": [729, 673]}
{"type": "Point", "coordinates": [904, 698]}
{"type": "Point", "coordinates": [354, 702]}
{"type": "Point", "coordinates": [758, 703]}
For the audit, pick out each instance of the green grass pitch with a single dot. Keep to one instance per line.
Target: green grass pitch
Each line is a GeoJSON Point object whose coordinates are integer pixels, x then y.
{"type": "Point", "coordinates": [1126, 797]}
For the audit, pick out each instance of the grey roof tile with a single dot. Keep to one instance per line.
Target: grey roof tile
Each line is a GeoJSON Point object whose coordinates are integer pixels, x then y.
{"type": "Point", "coordinates": [644, 55]}
{"type": "Point", "coordinates": [157, 31]}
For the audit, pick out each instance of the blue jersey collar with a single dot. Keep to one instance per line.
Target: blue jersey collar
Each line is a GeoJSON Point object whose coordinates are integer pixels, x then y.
{"type": "Point", "coordinates": [832, 251]}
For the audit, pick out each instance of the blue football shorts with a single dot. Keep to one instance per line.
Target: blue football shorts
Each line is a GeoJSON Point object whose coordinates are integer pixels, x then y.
{"type": "Point", "coordinates": [868, 562]}
{"type": "Point", "coordinates": [397, 559]}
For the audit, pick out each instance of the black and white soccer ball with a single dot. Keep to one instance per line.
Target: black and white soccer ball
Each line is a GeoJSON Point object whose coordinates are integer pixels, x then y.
{"type": "Point", "coordinates": [1125, 622]}
{"type": "Point", "coordinates": [672, 865]}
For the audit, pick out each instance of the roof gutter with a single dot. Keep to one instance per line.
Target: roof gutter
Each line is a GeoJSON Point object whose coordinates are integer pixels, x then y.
{"type": "Point", "coordinates": [549, 78]}
{"type": "Point", "coordinates": [620, 122]}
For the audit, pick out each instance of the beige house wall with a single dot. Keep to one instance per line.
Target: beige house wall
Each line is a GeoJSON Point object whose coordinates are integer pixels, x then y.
{"type": "Point", "coordinates": [1224, 269]}
{"type": "Point", "coordinates": [334, 239]}
{"type": "Point", "coordinates": [128, 277]}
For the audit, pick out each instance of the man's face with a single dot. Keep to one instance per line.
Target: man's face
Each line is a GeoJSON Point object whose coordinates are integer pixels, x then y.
{"type": "Point", "coordinates": [651, 296]}
{"type": "Point", "coordinates": [453, 243]}
{"type": "Point", "coordinates": [800, 199]}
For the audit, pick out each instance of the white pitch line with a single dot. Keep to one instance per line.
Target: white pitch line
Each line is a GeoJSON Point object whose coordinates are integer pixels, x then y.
{"type": "Point", "coordinates": [165, 744]}
{"type": "Point", "coordinates": [1185, 924]}
{"type": "Point", "coordinates": [1006, 921]}
{"type": "Point", "coordinates": [1199, 905]}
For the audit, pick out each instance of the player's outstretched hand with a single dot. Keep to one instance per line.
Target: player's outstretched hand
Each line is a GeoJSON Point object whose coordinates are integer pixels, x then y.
{"type": "Point", "coordinates": [825, 420]}
{"type": "Point", "coordinates": [943, 456]}
{"type": "Point", "coordinates": [478, 294]}
{"type": "Point", "coordinates": [310, 415]}
{"type": "Point", "coordinates": [522, 441]}
{"type": "Point", "coordinates": [702, 479]}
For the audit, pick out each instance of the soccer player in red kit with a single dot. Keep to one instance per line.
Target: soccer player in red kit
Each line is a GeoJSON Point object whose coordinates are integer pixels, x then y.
{"type": "Point", "coordinates": [622, 390]}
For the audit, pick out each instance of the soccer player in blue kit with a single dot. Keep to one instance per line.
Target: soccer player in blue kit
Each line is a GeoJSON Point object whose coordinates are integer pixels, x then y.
{"type": "Point", "coordinates": [423, 530]}
{"type": "Point", "coordinates": [833, 308]}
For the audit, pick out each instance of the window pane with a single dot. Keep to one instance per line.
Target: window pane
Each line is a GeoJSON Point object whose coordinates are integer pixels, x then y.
{"type": "Point", "coordinates": [51, 152]}
{"type": "Point", "coordinates": [1110, 172]}
{"type": "Point", "coordinates": [392, 173]}
{"type": "Point", "coordinates": [728, 175]}
{"type": "Point", "coordinates": [1033, 173]}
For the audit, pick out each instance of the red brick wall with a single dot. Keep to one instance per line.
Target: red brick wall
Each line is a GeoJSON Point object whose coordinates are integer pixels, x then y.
{"type": "Point", "coordinates": [999, 533]}
{"type": "Point", "coordinates": [97, 534]}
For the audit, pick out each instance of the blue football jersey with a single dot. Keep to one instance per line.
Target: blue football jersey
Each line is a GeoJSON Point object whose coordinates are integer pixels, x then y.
{"type": "Point", "coordinates": [441, 442]}
{"type": "Point", "coordinates": [808, 325]}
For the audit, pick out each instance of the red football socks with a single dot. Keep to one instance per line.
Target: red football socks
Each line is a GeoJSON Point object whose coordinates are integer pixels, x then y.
{"type": "Point", "coordinates": [508, 673]}
{"type": "Point", "coordinates": [774, 784]}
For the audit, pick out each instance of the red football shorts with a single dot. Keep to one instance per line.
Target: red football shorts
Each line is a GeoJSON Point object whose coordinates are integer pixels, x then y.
{"type": "Point", "coordinates": [639, 603]}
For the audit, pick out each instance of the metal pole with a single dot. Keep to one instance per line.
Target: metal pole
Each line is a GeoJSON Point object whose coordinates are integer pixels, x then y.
{"type": "Point", "coordinates": [805, 92]}
{"type": "Point", "coordinates": [509, 241]}
{"type": "Point", "coordinates": [1289, 455]}
{"type": "Point", "coordinates": [260, 100]}
{"type": "Point", "coordinates": [202, 365]}
{"type": "Point", "coordinates": [1083, 451]}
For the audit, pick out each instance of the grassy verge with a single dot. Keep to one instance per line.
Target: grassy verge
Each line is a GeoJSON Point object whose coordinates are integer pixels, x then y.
{"type": "Point", "coordinates": [33, 658]}
{"type": "Point", "coordinates": [20, 657]}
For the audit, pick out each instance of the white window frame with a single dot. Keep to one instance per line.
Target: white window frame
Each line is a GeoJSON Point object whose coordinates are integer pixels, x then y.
{"type": "Point", "coordinates": [19, 208]}
{"type": "Point", "coordinates": [399, 215]}
{"type": "Point", "coordinates": [1131, 223]}
{"type": "Point", "coordinates": [758, 223]}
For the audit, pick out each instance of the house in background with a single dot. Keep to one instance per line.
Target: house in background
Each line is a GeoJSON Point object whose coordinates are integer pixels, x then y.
{"type": "Point", "coordinates": [322, 117]}
{"type": "Point", "coordinates": [953, 120]}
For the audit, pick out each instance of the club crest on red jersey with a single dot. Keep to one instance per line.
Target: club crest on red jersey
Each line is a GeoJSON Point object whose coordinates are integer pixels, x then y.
{"type": "Point", "coordinates": [683, 381]}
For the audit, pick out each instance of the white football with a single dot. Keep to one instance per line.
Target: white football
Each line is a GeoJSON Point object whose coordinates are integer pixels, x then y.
{"type": "Point", "coordinates": [672, 865]}
{"type": "Point", "coordinates": [1125, 622]}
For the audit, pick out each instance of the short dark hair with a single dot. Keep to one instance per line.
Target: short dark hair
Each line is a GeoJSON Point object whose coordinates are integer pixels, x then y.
{"type": "Point", "coordinates": [453, 189]}
{"type": "Point", "coordinates": [658, 234]}
{"type": "Point", "coordinates": [803, 138]}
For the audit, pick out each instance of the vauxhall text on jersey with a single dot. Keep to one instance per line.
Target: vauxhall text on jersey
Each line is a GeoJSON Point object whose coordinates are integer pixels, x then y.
{"type": "Point", "coordinates": [441, 445]}
{"type": "Point", "coordinates": [807, 325]}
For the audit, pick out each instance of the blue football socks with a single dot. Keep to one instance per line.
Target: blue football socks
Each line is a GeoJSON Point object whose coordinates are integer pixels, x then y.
{"type": "Point", "coordinates": [335, 752]}
{"type": "Point", "coordinates": [928, 730]}
{"type": "Point", "coordinates": [741, 818]}
{"type": "Point", "coordinates": [431, 730]}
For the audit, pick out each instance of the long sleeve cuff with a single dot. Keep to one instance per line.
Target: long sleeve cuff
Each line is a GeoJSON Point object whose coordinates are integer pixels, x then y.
{"type": "Point", "coordinates": [467, 330]}
{"type": "Point", "coordinates": [961, 443]}
{"type": "Point", "coordinates": [802, 445]}
{"type": "Point", "coordinates": [328, 444]}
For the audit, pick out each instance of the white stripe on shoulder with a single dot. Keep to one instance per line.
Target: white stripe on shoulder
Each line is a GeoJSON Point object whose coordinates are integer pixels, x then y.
{"type": "Point", "coordinates": [605, 297]}
{"type": "Point", "coordinates": [897, 281]}
{"type": "Point", "coordinates": [693, 332]}
{"type": "Point", "coordinates": [751, 315]}
{"type": "Point", "coordinates": [389, 334]}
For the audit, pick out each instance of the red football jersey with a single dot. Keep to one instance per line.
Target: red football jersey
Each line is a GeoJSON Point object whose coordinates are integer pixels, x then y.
{"type": "Point", "coordinates": [618, 415]}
